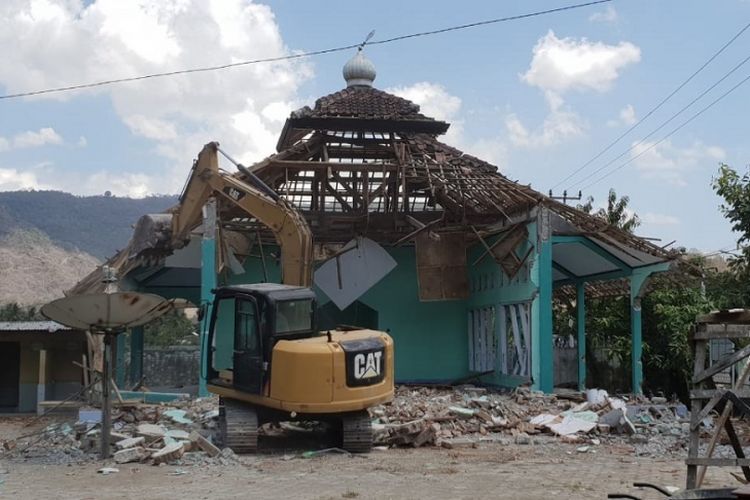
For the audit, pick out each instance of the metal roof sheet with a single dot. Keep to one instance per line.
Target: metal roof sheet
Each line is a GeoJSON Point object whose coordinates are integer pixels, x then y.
{"type": "Point", "coordinates": [33, 326]}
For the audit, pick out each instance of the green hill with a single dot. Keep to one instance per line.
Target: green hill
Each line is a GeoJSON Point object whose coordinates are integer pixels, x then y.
{"type": "Point", "coordinates": [96, 225]}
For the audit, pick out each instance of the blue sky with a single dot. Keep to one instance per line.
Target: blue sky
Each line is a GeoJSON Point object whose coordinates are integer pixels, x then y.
{"type": "Point", "coordinates": [537, 97]}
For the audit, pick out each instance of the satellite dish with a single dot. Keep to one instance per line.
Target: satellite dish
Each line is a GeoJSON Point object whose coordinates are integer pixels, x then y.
{"type": "Point", "coordinates": [106, 312]}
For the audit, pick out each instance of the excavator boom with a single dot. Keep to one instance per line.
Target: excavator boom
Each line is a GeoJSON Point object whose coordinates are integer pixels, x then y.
{"type": "Point", "coordinates": [288, 226]}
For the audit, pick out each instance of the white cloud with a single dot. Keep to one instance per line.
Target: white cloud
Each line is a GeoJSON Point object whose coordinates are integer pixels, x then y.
{"type": "Point", "coordinates": [562, 64]}
{"type": "Point", "coordinates": [626, 117]}
{"type": "Point", "coordinates": [435, 101]}
{"type": "Point", "coordinates": [12, 179]}
{"type": "Point", "coordinates": [609, 15]}
{"type": "Point", "coordinates": [671, 164]}
{"type": "Point", "coordinates": [82, 142]}
{"type": "Point", "coordinates": [31, 139]}
{"type": "Point", "coordinates": [657, 219]}
{"type": "Point", "coordinates": [54, 43]}
{"type": "Point", "coordinates": [558, 126]}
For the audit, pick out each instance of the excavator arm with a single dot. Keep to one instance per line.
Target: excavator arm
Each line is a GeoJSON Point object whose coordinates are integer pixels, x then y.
{"type": "Point", "coordinates": [260, 202]}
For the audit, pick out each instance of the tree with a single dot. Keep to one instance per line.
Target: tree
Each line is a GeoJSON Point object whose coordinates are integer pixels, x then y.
{"type": "Point", "coordinates": [616, 214]}
{"type": "Point", "coordinates": [15, 312]}
{"type": "Point", "coordinates": [171, 329]}
{"type": "Point", "coordinates": [735, 191]}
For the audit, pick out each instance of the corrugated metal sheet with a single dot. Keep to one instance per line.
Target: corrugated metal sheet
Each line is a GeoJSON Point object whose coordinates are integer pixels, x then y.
{"type": "Point", "coordinates": [33, 327]}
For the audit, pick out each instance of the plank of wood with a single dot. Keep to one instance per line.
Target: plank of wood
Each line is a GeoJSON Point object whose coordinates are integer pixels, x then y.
{"type": "Point", "coordinates": [718, 462]}
{"type": "Point", "coordinates": [723, 331]}
{"type": "Point", "coordinates": [710, 393]}
{"type": "Point", "coordinates": [722, 364]}
{"type": "Point", "coordinates": [734, 440]}
{"type": "Point", "coordinates": [741, 381]}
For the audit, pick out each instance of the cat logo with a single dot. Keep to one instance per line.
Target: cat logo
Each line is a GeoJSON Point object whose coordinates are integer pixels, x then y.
{"type": "Point", "coordinates": [234, 193]}
{"type": "Point", "coordinates": [367, 365]}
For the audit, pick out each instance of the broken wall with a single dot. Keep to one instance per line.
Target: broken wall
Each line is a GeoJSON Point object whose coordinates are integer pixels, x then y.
{"type": "Point", "coordinates": [502, 312]}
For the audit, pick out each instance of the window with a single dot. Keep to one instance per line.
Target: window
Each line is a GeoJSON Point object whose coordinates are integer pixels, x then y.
{"type": "Point", "coordinates": [293, 316]}
{"type": "Point", "coordinates": [246, 338]}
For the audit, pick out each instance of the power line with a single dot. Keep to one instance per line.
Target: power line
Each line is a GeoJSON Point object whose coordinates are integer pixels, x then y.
{"type": "Point", "coordinates": [655, 108]}
{"type": "Point", "coordinates": [663, 124]}
{"type": "Point", "coordinates": [301, 54]}
{"type": "Point", "coordinates": [652, 146]}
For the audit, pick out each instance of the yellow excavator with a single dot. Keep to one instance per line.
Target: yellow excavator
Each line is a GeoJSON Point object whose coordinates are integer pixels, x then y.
{"type": "Point", "coordinates": [263, 354]}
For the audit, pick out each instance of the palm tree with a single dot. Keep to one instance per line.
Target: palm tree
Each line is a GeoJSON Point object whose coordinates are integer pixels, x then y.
{"type": "Point", "coordinates": [616, 214]}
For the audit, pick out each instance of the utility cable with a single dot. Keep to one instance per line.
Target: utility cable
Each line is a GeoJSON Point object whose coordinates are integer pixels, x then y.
{"type": "Point", "coordinates": [300, 55]}
{"type": "Point", "coordinates": [663, 124]}
{"type": "Point", "coordinates": [652, 146]}
{"type": "Point", "coordinates": [655, 108]}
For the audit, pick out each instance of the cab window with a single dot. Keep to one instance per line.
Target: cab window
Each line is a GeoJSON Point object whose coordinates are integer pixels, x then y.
{"type": "Point", "coordinates": [293, 316]}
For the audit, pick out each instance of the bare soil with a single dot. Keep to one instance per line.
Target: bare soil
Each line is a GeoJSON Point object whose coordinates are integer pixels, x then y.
{"type": "Point", "coordinates": [544, 470]}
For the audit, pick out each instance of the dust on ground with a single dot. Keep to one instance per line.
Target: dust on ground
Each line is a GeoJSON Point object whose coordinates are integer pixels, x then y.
{"type": "Point", "coordinates": [545, 468]}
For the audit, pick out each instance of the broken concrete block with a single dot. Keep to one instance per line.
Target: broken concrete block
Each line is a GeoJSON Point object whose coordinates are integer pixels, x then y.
{"type": "Point", "coordinates": [178, 416]}
{"type": "Point", "coordinates": [177, 434]}
{"type": "Point", "coordinates": [130, 455]}
{"type": "Point", "coordinates": [611, 418]}
{"type": "Point", "coordinates": [150, 430]}
{"type": "Point", "coordinates": [204, 444]}
{"type": "Point", "coordinates": [118, 436]}
{"type": "Point", "coordinates": [522, 438]}
{"type": "Point", "coordinates": [168, 454]}
{"type": "Point", "coordinates": [461, 411]}
{"type": "Point", "coordinates": [458, 443]}
{"type": "Point", "coordinates": [129, 443]}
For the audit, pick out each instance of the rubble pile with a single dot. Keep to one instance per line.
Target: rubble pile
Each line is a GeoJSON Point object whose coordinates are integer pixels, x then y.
{"type": "Point", "coordinates": [466, 415]}
{"type": "Point", "coordinates": [181, 433]}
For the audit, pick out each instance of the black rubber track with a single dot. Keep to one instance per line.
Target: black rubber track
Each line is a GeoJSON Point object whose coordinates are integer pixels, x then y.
{"type": "Point", "coordinates": [239, 426]}
{"type": "Point", "coordinates": [356, 432]}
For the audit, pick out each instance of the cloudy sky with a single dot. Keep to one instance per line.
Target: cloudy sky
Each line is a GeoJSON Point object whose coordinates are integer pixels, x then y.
{"type": "Point", "coordinates": [539, 97]}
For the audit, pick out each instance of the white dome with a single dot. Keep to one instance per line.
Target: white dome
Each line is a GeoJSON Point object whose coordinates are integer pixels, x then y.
{"type": "Point", "coordinates": [359, 71]}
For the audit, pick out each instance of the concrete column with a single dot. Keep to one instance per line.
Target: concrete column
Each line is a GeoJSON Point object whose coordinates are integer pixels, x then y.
{"type": "Point", "coordinates": [41, 386]}
{"type": "Point", "coordinates": [120, 361]}
{"type": "Point", "coordinates": [637, 282]}
{"type": "Point", "coordinates": [136, 355]}
{"type": "Point", "coordinates": [546, 355]}
{"type": "Point", "coordinates": [581, 327]}
{"type": "Point", "coordinates": [208, 283]}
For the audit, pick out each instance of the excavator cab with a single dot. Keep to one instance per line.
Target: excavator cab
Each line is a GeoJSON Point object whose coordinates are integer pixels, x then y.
{"type": "Point", "coordinates": [252, 319]}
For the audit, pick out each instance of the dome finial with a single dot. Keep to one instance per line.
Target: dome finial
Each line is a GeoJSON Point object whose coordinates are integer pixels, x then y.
{"type": "Point", "coordinates": [359, 71]}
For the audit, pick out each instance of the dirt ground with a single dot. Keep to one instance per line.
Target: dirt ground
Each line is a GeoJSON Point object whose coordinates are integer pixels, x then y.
{"type": "Point", "coordinates": [544, 470]}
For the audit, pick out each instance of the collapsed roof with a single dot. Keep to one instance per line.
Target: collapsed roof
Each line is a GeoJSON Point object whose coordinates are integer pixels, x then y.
{"type": "Point", "coordinates": [366, 162]}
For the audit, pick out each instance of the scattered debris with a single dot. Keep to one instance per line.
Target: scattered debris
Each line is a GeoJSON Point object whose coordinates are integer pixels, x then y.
{"type": "Point", "coordinates": [169, 453]}
{"type": "Point", "coordinates": [204, 444]}
{"type": "Point", "coordinates": [153, 433]}
{"type": "Point", "coordinates": [130, 455]}
{"type": "Point", "coordinates": [464, 416]}
{"type": "Point", "coordinates": [315, 453]}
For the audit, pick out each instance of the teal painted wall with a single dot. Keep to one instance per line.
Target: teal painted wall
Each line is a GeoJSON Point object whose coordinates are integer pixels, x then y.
{"type": "Point", "coordinates": [430, 337]}
{"type": "Point", "coordinates": [490, 286]}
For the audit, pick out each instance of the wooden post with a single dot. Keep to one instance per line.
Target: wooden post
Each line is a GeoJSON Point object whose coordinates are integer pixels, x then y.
{"type": "Point", "coordinates": [695, 408]}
